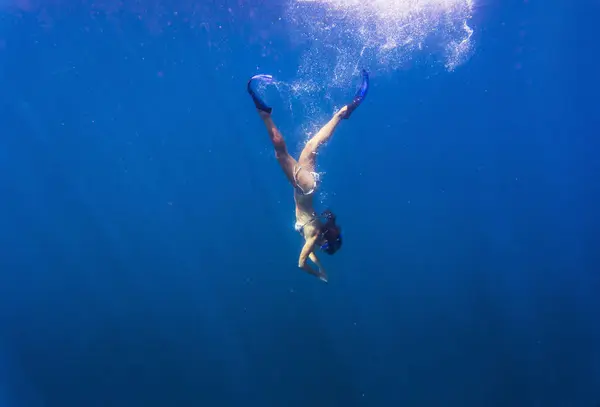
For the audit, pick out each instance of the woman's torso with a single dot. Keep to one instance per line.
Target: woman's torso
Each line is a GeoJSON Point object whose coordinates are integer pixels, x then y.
{"type": "Point", "coordinates": [307, 222]}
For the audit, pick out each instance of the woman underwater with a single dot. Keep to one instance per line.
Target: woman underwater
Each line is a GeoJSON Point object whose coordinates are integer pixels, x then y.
{"type": "Point", "coordinates": [319, 231]}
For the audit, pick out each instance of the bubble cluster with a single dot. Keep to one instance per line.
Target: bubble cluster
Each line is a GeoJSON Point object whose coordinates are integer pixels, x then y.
{"type": "Point", "coordinates": [379, 34]}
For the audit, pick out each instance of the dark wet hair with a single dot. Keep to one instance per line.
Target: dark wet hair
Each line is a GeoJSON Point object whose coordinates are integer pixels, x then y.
{"type": "Point", "coordinates": [331, 234]}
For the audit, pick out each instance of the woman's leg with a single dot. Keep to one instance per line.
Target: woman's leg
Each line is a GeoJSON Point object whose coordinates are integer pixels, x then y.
{"type": "Point", "coordinates": [287, 162]}
{"type": "Point", "coordinates": [309, 154]}
{"type": "Point", "coordinates": [308, 157]}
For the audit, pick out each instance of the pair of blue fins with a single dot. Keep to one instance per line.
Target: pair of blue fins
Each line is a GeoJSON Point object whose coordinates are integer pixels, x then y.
{"type": "Point", "coordinates": [360, 95]}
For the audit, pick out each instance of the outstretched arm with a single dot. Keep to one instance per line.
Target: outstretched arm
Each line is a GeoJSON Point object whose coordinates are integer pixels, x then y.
{"type": "Point", "coordinates": [307, 250]}
{"type": "Point", "coordinates": [313, 257]}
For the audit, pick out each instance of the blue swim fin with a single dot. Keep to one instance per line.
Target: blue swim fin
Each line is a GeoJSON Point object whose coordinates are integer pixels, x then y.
{"type": "Point", "coordinates": [361, 94]}
{"type": "Point", "coordinates": [258, 102]}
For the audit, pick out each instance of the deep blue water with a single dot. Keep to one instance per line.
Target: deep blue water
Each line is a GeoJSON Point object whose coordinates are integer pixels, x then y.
{"type": "Point", "coordinates": [148, 256]}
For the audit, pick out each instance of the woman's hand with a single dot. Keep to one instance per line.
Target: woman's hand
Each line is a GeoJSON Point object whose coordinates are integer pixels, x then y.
{"type": "Point", "coordinates": [323, 276]}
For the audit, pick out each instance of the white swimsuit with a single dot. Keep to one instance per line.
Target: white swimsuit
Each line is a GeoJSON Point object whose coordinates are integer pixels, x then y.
{"type": "Point", "coordinates": [299, 189]}
{"type": "Point", "coordinates": [300, 226]}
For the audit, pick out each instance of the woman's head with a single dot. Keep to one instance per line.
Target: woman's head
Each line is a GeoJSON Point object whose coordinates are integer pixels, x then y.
{"type": "Point", "coordinates": [331, 234]}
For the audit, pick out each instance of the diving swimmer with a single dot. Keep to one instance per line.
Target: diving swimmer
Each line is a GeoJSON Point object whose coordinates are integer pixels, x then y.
{"type": "Point", "coordinates": [319, 231]}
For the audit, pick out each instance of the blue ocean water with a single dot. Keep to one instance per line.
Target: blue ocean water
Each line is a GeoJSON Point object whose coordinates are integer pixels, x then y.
{"type": "Point", "coordinates": [148, 254]}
